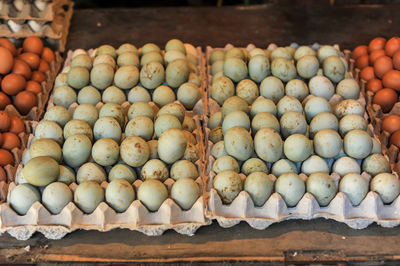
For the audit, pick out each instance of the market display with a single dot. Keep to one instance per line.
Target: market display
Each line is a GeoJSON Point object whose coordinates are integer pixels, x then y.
{"type": "Point", "coordinates": [297, 113]}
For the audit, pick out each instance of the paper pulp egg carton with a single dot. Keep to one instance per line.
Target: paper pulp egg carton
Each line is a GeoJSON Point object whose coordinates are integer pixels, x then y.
{"type": "Point", "coordinates": [49, 20]}
{"type": "Point", "coordinates": [370, 210]}
{"type": "Point", "coordinates": [104, 218]}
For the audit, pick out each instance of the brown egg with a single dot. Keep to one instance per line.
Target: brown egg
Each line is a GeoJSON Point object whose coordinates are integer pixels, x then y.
{"type": "Point", "coordinates": [376, 44]}
{"type": "Point", "coordinates": [20, 51]}
{"type": "Point", "coordinates": [13, 83]}
{"type": "Point", "coordinates": [25, 101]}
{"type": "Point", "coordinates": [43, 66]}
{"type": "Point", "coordinates": [22, 68]}
{"type": "Point", "coordinates": [10, 141]}
{"type": "Point", "coordinates": [395, 138]}
{"type": "Point", "coordinates": [375, 55]}
{"type": "Point", "coordinates": [34, 87]}
{"type": "Point", "coordinates": [382, 65]}
{"type": "Point", "coordinates": [373, 85]}
{"type": "Point", "coordinates": [1, 139]}
{"type": "Point", "coordinates": [386, 98]}
{"type": "Point", "coordinates": [33, 44]}
{"type": "Point", "coordinates": [392, 46]}
{"type": "Point", "coordinates": [5, 121]}
{"type": "Point", "coordinates": [6, 158]}
{"type": "Point", "coordinates": [7, 60]}
{"type": "Point", "coordinates": [31, 59]}
{"type": "Point", "coordinates": [391, 123]}
{"type": "Point", "coordinates": [362, 61]}
{"type": "Point", "coordinates": [16, 126]}
{"type": "Point", "coordinates": [367, 73]}
{"type": "Point", "coordinates": [392, 79]}
{"type": "Point", "coordinates": [396, 60]}
{"type": "Point", "coordinates": [48, 55]}
{"type": "Point", "coordinates": [6, 43]}
{"type": "Point", "coordinates": [4, 100]}
{"type": "Point", "coordinates": [359, 51]}
{"type": "Point", "coordinates": [3, 175]}
{"type": "Point", "coordinates": [38, 76]}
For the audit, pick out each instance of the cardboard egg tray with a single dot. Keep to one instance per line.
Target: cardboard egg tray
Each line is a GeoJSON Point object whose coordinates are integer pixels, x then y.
{"type": "Point", "coordinates": [51, 24]}
{"type": "Point", "coordinates": [370, 210]}
{"type": "Point", "coordinates": [104, 218]}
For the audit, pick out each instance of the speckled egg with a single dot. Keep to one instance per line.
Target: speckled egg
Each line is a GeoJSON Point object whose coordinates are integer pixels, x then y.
{"type": "Point", "coordinates": [327, 143]}
{"type": "Point", "coordinates": [268, 145]}
{"type": "Point", "coordinates": [345, 165]}
{"type": "Point", "coordinates": [283, 69]}
{"type": "Point", "coordinates": [76, 150]}
{"type": "Point", "coordinates": [321, 86]}
{"type": "Point", "coordinates": [259, 186]}
{"type": "Point", "coordinates": [88, 195]}
{"type": "Point", "coordinates": [387, 186]}
{"type": "Point", "coordinates": [89, 95]}
{"type": "Point", "coordinates": [272, 88]}
{"type": "Point", "coordinates": [105, 151]}
{"type": "Point", "coordinates": [239, 143]}
{"type": "Point", "coordinates": [152, 193]}
{"type": "Point", "coordinates": [354, 186]}
{"type": "Point", "coordinates": [154, 169]}
{"type": "Point", "coordinates": [56, 196]}
{"type": "Point", "coordinates": [119, 194]}
{"type": "Point", "coordinates": [140, 126]}
{"type": "Point", "coordinates": [357, 144]}
{"type": "Point", "coordinates": [297, 147]}
{"type": "Point", "coordinates": [291, 187]}
{"type": "Point", "coordinates": [90, 172]}
{"type": "Point", "coordinates": [185, 191]}
{"type": "Point", "coordinates": [314, 164]}
{"type": "Point", "coordinates": [283, 166]}
{"type": "Point", "coordinates": [254, 165]}
{"type": "Point", "coordinates": [107, 127]}
{"type": "Point", "coordinates": [58, 114]}
{"type": "Point", "coordinates": [322, 187]}
{"type": "Point", "coordinates": [228, 185]}
{"type": "Point", "coordinates": [134, 151]}
{"type": "Point", "coordinates": [172, 145]}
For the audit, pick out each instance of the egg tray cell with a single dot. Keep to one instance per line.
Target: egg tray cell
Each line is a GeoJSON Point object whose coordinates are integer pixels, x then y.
{"type": "Point", "coordinates": [275, 210]}
{"type": "Point", "coordinates": [28, 10]}
{"type": "Point", "coordinates": [54, 31]}
{"type": "Point", "coordinates": [47, 85]}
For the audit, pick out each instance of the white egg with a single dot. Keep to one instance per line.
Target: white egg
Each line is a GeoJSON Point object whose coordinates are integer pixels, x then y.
{"type": "Point", "coordinates": [322, 187]}
{"type": "Point", "coordinates": [225, 162]}
{"type": "Point", "coordinates": [152, 75]}
{"type": "Point", "coordinates": [296, 88]}
{"type": "Point", "coordinates": [239, 143]}
{"type": "Point", "coordinates": [288, 103]}
{"type": "Point", "coordinates": [236, 118]}
{"type": "Point", "coordinates": [345, 165]}
{"type": "Point", "coordinates": [291, 187]}
{"type": "Point", "coordinates": [107, 127]}
{"type": "Point", "coordinates": [105, 152]}
{"type": "Point", "coordinates": [297, 148]}
{"type": "Point", "coordinates": [56, 196]}
{"type": "Point", "coordinates": [122, 171]}
{"type": "Point", "coordinates": [357, 144]}
{"type": "Point", "coordinates": [86, 112]}
{"type": "Point", "coordinates": [175, 109]}
{"type": "Point", "coordinates": [316, 105]}
{"type": "Point", "coordinates": [264, 120]}
{"type": "Point", "coordinates": [152, 193]}
{"type": "Point", "coordinates": [76, 150]}
{"type": "Point", "coordinates": [347, 107]}
{"type": "Point", "coordinates": [113, 110]}
{"type": "Point", "coordinates": [138, 94]}
{"type": "Point", "coordinates": [90, 172]}
{"type": "Point", "coordinates": [74, 127]}
{"type": "Point", "coordinates": [387, 186]}
{"type": "Point", "coordinates": [113, 95]}
{"type": "Point", "coordinates": [254, 165]}
{"type": "Point", "coordinates": [172, 145]}
{"type": "Point", "coordinates": [215, 120]}
{"type": "Point", "coordinates": [119, 194]}
{"type": "Point", "coordinates": [321, 86]}
{"type": "Point", "coordinates": [307, 66]}
{"type": "Point", "coordinates": [64, 96]}
{"type": "Point", "coordinates": [234, 103]}
{"type": "Point", "coordinates": [88, 195]}
{"type": "Point", "coordinates": [140, 109]}
{"type": "Point", "coordinates": [350, 122]}
{"type": "Point", "coordinates": [134, 151]}
{"type": "Point", "coordinates": [259, 67]}
{"type": "Point", "coordinates": [89, 95]}
{"type": "Point", "coordinates": [354, 186]}
{"type": "Point", "coordinates": [67, 175]}
{"type": "Point", "coordinates": [314, 164]}
{"type": "Point", "coordinates": [323, 120]}
{"type": "Point", "coordinates": [327, 143]}
{"type": "Point", "coordinates": [49, 130]}
{"type": "Point", "coordinates": [154, 169]}
{"type": "Point", "coordinates": [259, 186]}
{"type": "Point", "coordinates": [185, 192]}
{"type": "Point", "coordinates": [268, 145]}
{"type": "Point", "coordinates": [334, 68]}
{"type": "Point", "coordinates": [262, 104]}
{"type": "Point", "coordinates": [141, 126]}
{"type": "Point", "coordinates": [228, 185]}
{"type": "Point", "coordinates": [283, 166]}
{"type": "Point", "coordinates": [221, 89]}
{"type": "Point", "coordinates": [272, 88]}
{"type": "Point", "coordinates": [292, 123]}
{"type": "Point", "coordinates": [188, 94]}
{"type": "Point", "coordinates": [283, 69]}
{"type": "Point", "coordinates": [58, 114]}
{"type": "Point", "coordinates": [376, 164]}
{"type": "Point", "coordinates": [348, 89]}
{"type": "Point", "coordinates": [22, 197]}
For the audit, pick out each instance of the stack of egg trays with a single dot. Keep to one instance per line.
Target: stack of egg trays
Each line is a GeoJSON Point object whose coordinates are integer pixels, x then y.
{"type": "Point", "coordinates": [33, 115]}
{"type": "Point", "coordinates": [104, 218]}
{"type": "Point", "coordinates": [275, 210]}
{"type": "Point", "coordinates": [377, 116]}
{"type": "Point", "coordinates": [49, 19]}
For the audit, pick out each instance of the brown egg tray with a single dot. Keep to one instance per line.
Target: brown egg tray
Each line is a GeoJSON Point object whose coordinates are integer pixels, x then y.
{"type": "Point", "coordinates": [377, 116]}
{"type": "Point", "coordinates": [42, 98]}
{"type": "Point", "coordinates": [54, 30]}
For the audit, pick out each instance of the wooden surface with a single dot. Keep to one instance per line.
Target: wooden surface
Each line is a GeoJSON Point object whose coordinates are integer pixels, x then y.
{"type": "Point", "coordinates": [289, 242]}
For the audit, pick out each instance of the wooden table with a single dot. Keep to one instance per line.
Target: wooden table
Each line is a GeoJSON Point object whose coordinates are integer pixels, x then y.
{"type": "Point", "coordinates": [288, 242]}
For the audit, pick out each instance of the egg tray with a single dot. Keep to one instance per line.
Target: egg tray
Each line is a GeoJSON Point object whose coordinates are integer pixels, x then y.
{"type": "Point", "coordinates": [36, 112]}
{"type": "Point", "coordinates": [275, 210]}
{"type": "Point", "coordinates": [28, 10]}
{"type": "Point", "coordinates": [55, 30]}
